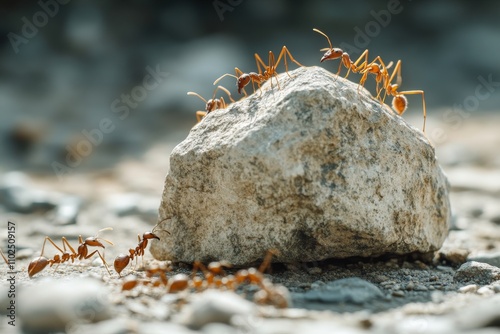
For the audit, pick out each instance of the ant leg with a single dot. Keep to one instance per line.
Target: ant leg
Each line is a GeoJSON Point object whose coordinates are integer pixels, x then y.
{"type": "Point", "coordinates": [367, 67]}
{"type": "Point", "coordinates": [53, 244]}
{"type": "Point", "coordinates": [272, 69]}
{"type": "Point", "coordinates": [102, 258]}
{"type": "Point", "coordinates": [284, 53]}
{"type": "Point", "coordinates": [362, 80]}
{"type": "Point", "coordinates": [347, 62]}
{"type": "Point", "coordinates": [384, 77]}
{"type": "Point", "coordinates": [4, 258]}
{"type": "Point", "coordinates": [200, 115]}
{"type": "Point", "coordinates": [421, 92]}
{"type": "Point", "coordinates": [363, 65]}
{"type": "Point", "coordinates": [338, 72]}
{"type": "Point", "coordinates": [397, 70]}
{"type": "Point", "coordinates": [65, 243]}
{"type": "Point", "coordinates": [55, 269]}
{"type": "Point", "coordinates": [259, 63]}
{"type": "Point", "coordinates": [267, 259]}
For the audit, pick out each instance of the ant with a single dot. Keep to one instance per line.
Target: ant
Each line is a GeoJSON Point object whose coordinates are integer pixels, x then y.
{"type": "Point", "coordinates": [212, 104]}
{"type": "Point", "coordinates": [156, 276]}
{"type": "Point", "coordinates": [176, 283]}
{"type": "Point", "coordinates": [244, 79]}
{"type": "Point", "coordinates": [399, 101]}
{"type": "Point", "coordinates": [215, 275]}
{"type": "Point", "coordinates": [335, 53]}
{"type": "Point", "coordinates": [379, 70]}
{"type": "Point", "coordinates": [269, 294]}
{"type": "Point", "coordinates": [39, 263]}
{"type": "Point", "coordinates": [122, 260]}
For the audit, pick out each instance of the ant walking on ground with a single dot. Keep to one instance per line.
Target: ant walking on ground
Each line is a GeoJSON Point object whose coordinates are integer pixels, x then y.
{"type": "Point", "coordinates": [122, 260]}
{"type": "Point", "coordinates": [82, 252]}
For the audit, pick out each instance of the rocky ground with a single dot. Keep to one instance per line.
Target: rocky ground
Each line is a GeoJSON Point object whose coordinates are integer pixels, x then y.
{"type": "Point", "coordinates": [455, 290]}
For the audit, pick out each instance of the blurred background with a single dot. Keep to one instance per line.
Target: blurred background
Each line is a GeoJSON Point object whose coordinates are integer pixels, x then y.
{"type": "Point", "coordinates": [118, 72]}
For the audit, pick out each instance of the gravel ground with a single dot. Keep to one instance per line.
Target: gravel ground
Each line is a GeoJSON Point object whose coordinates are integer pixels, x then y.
{"type": "Point", "coordinates": [455, 290]}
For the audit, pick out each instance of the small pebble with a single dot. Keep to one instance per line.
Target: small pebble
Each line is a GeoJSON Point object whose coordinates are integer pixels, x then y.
{"type": "Point", "coordinates": [380, 278]}
{"type": "Point", "coordinates": [471, 288]}
{"type": "Point", "coordinates": [398, 293]}
{"type": "Point", "coordinates": [445, 269]}
{"type": "Point", "coordinates": [486, 291]}
{"type": "Point", "coordinates": [317, 284]}
{"type": "Point", "coordinates": [386, 284]}
{"type": "Point", "coordinates": [420, 287]}
{"type": "Point", "coordinates": [489, 258]}
{"type": "Point", "coordinates": [477, 272]}
{"type": "Point", "coordinates": [410, 286]}
{"type": "Point", "coordinates": [51, 305]}
{"type": "Point", "coordinates": [215, 306]}
{"type": "Point", "coordinates": [455, 256]}
{"type": "Point", "coordinates": [351, 290]}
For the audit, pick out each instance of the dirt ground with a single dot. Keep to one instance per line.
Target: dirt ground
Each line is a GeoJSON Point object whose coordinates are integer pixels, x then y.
{"type": "Point", "coordinates": [413, 294]}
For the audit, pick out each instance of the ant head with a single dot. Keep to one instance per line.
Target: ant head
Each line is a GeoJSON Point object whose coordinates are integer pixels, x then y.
{"type": "Point", "coordinates": [243, 80]}
{"type": "Point", "coordinates": [150, 235]}
{"type": "Point", "coordinates": [94, 242]}
{"type": "Point", "coordinates": [210, 106]}
{"type": "Point", "coordinates": [332, 54]}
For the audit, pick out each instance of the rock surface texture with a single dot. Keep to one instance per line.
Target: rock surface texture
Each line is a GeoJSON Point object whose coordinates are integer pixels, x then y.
{"type": "Point", "coordinates": [314, 169]}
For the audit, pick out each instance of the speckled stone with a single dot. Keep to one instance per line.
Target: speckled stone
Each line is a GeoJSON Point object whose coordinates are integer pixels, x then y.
{"type": "Point", "coordinates": [317, 169]}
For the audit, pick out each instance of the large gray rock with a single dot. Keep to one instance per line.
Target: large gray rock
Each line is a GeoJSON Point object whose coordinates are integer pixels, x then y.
{"type": "Point", "coordinates": [315, 170]}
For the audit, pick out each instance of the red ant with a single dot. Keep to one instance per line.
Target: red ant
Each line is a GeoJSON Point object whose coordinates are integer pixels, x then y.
{"type": "Point", "coordinates": [39, 263]}
{"type": "Point", "coordinates": [156, 277]}
{"type": "Point", "coordinates": [379, 70]}
{"type": "Point", "coordinates": [215, 276]}
{"type": "Point", "coordinates": [212, 104]}
{"type": "Point", "coordinates": [399, 101]}
{"type": "Point", "coordinates": [122, 260]}
{"type": "Point", "coordinates": [244, 79]}
{"type": "Point", "coordinates": [269, 294]}
{"type": "Point", "coordinates": [335, 53]}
